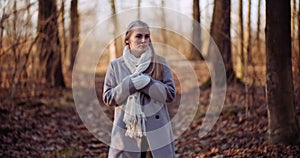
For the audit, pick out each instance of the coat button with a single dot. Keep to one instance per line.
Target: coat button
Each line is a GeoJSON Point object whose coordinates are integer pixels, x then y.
{"type": "Point", "coordinates": [157, 116]}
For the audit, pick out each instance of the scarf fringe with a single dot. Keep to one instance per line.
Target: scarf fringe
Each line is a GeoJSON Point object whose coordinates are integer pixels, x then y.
{"type": "Point", "coordinates": [136, 127]}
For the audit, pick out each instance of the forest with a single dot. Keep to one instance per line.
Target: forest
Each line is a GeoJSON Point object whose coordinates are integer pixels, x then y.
{"type": "Point", "coordinates": [236, 65]}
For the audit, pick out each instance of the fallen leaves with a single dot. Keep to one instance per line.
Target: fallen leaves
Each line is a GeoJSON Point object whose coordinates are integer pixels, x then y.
{"type": "Point", "coordinates": [234, 134]}
{"type": "Point", "coordinates": [37, 129]}
{"type": "Point", "coordinates": [49, 127]}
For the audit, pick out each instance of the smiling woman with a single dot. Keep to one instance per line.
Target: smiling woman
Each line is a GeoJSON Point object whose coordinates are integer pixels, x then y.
{"type": "Point", "coordinates": [138, 85]}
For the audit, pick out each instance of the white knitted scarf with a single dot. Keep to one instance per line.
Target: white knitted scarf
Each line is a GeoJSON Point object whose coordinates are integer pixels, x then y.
{"type": "Point", "coordinates": [134, 117]}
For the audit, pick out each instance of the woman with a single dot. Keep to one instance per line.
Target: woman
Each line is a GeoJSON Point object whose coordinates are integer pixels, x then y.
{"type": "Point", "coordinates": [138, 85]}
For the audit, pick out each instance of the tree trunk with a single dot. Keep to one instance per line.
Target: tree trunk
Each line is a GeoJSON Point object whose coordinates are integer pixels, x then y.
{"type": "Point", "coordinates": [283, 124]}
{"type": "Point", "coordinates": [163, 19]}
{"type": "Point", "coordinates": [196, 35]}
{"type": "Point", "coordinates": [74, 32]}
{"type": "Point", "coordinates": [63, 32]}
{"type": "Point", "coordinates": [298, 37]}
{"type": "Point", "coordinates": [220, 32]}
{"type": "Point", "coordinates": [295, 62]}
{"type": "Point", "coordinates": [16, 56]}
{"type": "Point", "coordinates": [241, 40]}
{"type": "Point", "coordinates": [118, 40]}
{"type": "Point", "coordinates": [249, 45]}
{"type": "Point", "coordinates": [139, 9]}
{"type": "Point", "coordinates": [258, 26]}
{"type": "Point", "coordinates": [48, 44]}
{"type": "Point", "coordinates": [293, 18]}
{"type": "Point", "coordinates": [3, 17]}
{"type": "Point", "coordinates": [293, 35]}
{"type": "Point", "coordinates": [113, 47]}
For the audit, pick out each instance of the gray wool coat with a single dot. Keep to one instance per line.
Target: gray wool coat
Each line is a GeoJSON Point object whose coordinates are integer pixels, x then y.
{"type": "Point", "coordinates": [117, 87]}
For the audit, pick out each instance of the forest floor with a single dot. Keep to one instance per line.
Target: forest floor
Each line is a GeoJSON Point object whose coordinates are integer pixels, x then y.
{"type": "Point", "coordinates": [49, 126]}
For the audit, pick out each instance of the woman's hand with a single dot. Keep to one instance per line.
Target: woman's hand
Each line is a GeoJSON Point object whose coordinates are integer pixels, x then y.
{"type": "Point", "coordinates": [140, 81]}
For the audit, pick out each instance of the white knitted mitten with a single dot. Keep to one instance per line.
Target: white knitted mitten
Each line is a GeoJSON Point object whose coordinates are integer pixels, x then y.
{"type": "Point", "coordinates": [140, 81]}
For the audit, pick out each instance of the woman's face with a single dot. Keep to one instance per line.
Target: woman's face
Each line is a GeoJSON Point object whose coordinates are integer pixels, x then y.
{"type": "Point", "coordinates": [139, 40]}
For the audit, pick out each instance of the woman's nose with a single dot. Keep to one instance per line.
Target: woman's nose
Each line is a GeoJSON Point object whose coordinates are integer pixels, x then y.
{"type": "Point", "coordinates": [143, 40]}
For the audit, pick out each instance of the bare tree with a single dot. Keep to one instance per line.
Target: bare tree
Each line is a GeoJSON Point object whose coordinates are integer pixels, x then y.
{"type": "Point", "coordinates": [241, 28]}
{"type": "Point", "coordinates": [113, 46]}
{"type": "Point", "coordinates": [17, 40]}
{"type": "Point", "coordinates": [16, 54]}
{"type": "Point", "coordinates": [48, 44]}
{"type": "Point", "coordinates": [220, 32]}
{"type": "Point", "coordinates": [283, 124]}
{"type": "Point", "coordinates": [63, 31]}
{"type": "Point", "coordinates": [74, 32]}
{"type": "Point", "coordinates": [117, 50]}
{"type": "Point", "coordinates": [248, 57]}
{"type": "Point", "coordinates": [293, 21]}
{"type": "Point", "coordinates": [244, 66]}
{"type": "Point", "coordinates": [163, 19]}
{"type": "Point", "coordinates": [295, 50]}
{"type": "Point", "coordinates": [139, 11]}
{"type": "Point", "coordinates": [293, 35]}
{"type": "Point", "coordinates": [196, 35]}
{"type": "Point", "coordinates": [298, 37]}
{"type": "Point", "coordinates": [258, 26]}
{"type": "Point", "coordinates": [3, 17]}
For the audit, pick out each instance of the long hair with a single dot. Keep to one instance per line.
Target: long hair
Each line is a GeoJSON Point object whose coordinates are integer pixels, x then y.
{"type": "Point", "coordinates": [156, 68]}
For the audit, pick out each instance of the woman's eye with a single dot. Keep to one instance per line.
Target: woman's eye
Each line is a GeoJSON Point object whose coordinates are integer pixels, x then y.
{"type": "Point", "coordinates": [141, 36]}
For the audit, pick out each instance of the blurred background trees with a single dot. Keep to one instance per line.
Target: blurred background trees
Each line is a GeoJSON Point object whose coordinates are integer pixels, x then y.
{"type": "Point", "coordinates": [39, 41]}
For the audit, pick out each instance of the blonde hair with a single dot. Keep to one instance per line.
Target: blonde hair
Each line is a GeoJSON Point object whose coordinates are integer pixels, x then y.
{"type": "Point", "coordinates": [156, 68]}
